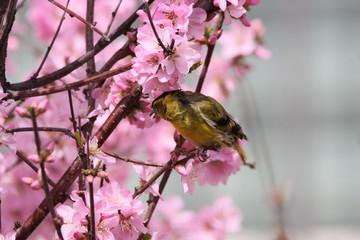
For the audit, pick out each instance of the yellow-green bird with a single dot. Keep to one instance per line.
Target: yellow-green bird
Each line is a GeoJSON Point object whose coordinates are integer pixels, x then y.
{"type": "Point", "coordinates": [201, 120]}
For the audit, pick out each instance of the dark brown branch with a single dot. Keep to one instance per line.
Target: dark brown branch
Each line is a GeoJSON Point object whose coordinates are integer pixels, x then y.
{"type": "Point", "coordinates": [81, 19]}
{"type": "Point", "coordinates": [100, 45]}
{"type": "Point", "coordinates": [75, 85]}
{"type": "Point", "coordinates": [169, 165]}
{"type": "Point", "coordinates": [7, 17]}
{"type": "Point", "coordinates": [36, 74]}
{"type": "Point", "coordinates": [119, 113]}
{"type": "Point", "coordinates": [89, 37]}
{"type": "Point", "coordinates": [113, 15]}
{"type": "Point", "coordinates": [44, 177]}
{"type": "Point", "coordinates": [165, 168]}
{"type": "Point", "coordinates": [209, 53]}
{"type": "Point", "coordinates": [58, 194]}
{"type": "Point", "coordinates": [43, 129]}
{"type": "Point", "coordinates": [125, 159]}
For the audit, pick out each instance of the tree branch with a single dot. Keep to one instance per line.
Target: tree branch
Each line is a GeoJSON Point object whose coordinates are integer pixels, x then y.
{"type": "Point", "coordinates": [7, 17]}
{"type": "Point", "coordinates": [46, 91]}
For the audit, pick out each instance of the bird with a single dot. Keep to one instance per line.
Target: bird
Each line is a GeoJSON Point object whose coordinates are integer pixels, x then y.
{"type": "Point", "coordinates": [201, 120]}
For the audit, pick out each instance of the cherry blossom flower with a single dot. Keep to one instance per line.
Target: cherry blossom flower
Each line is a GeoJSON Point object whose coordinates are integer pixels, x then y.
{"type": "Point", "coordinates": [217, 168]}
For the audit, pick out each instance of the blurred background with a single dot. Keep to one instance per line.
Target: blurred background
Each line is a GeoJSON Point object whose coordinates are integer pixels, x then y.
{"type": "Point", "coordinates": [305, 129]}
{"type": "Point", "coordinates": [300, 110]}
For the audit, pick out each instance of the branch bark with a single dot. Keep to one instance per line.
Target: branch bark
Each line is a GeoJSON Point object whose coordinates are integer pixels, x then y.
{"type": "Point", "coordinates": [7, 17]}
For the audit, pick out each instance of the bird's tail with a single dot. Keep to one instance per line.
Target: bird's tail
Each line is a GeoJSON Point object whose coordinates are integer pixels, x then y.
{"type": "Point", "coordinates": [242, 154]}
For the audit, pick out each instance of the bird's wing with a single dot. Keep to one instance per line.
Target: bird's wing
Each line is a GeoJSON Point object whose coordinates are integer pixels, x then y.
{"type": "Point", "coordinates": [216, 116]}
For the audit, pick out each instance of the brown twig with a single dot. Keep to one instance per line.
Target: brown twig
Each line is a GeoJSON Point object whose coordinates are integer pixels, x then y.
{"type": "Point", "coordinates": [44, 177]}
{"type": "Point", "coordinates": [42, 129]}
{"type": "Point", "coordinates": [58, 194]}
{"type": "Point", "coordinates": [92, 230]}
{"type": "Point", "coordinates": [209, 53]}
{"type": "Point", "coordinates": [89, 38]}
{"type": "Point", "coordinates": [77, 16]}
{"type": "Point", "coordinates": [75, 85]}
{"type": "Point", "coordinates": [113, 15]}
{"type": "Point", "coordinates": [72, 113]}
{"type": "Point", "coordinates": [169, 165]}
{"type": "Point", "coordinates": [140, 190]}
{"type": "Point", "coordinates": [125, 159]}
{"type": "Point", "coordinates": [7, 17]}
{"type": "Point", "coordinates": [161, 44]}
{"type": "Point", "coordinates": [36, 74]}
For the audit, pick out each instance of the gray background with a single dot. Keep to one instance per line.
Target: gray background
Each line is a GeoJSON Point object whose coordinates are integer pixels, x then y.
{"type": "Point", "coordinates": [301, 112]}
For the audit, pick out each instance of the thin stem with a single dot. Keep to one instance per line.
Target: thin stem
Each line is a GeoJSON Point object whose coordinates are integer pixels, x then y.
{"type": "Point", "coordinates": [75, 85]}
{"type": "Point", "coordinates": [89, 37]}
{"type": "Point", "coordinates": [169, 165]}
{"type": "Point", "coordinates": [140, 190]}
{"type": "Point", "coordinates": [125, 159]}
{"type": "Point", "coordinates": [72, 113]}
{"type": "Point", "coordinates": [44, 177]}
{"type": "Point", "coordinates": [7, 17]}
{"type": "Point", "coordinates": [81, 19]}
{"type": "Point", "coordinates": [113, 15]}
{"type": "Point", "coordinates": [147, 11]}
{"type": "Point", "coordinates": [209, 53]}
{"type": "Point", "coordinates": [91, 193]}
{"type": "Point", "coordinates": [42, 129]}
{"type": "Point", "coordinates": [36, 74]}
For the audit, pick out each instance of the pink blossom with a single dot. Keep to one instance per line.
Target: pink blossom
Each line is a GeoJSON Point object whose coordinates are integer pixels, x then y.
{"type": "Point", "coordinates": [9, 236]}
{"type": "Point", "coordinates": [117, 214]}
{"type": "Point", "coordinates": [252, 2]}
{"type": "Point", "coordinates": [222, 4]}
{"type": "Point", "coordinates": [145, 173]}
{"type": "Point", "coordinates": [196, 27]}
{"type": "Point", "coordinates": [234, 11]}
{"type": "Point", "coordinates": [175, 223]}
{"type": "Point", "coordinates": [217, 168]}
{"type": "Point", "coordinates": [173, 15]}
{"type": "Point", "coordinates": [218, 220]}
{"type": "Point", "coordinates": [238, 41]}
{"type": "Point", "coordinates": [72, 225]}
{"type": "Point", "coordinates": [97, 155]}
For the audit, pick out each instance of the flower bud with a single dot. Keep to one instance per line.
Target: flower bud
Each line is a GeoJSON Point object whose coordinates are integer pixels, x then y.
{"type": "Point", "coordinates": [22, 112]}
{"type": "Point", "coordinates": [34, 158]}
{"type": "Point", "coordinates": [212, 40]}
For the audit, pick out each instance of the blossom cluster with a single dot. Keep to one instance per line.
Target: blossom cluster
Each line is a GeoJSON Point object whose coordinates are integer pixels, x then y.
{"type": "Point", "coordinates": [167, 48]}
